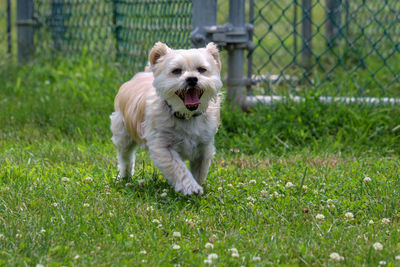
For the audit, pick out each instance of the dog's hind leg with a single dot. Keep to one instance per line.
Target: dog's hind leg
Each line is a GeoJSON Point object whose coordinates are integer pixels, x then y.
{"type": "Point", "coordinates": [125, 144]}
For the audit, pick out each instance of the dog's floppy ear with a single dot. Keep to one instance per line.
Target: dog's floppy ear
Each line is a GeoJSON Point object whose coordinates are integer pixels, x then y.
{"type": "Point", "coordinates": [212, 48]}
{"type": "Point", "coordinates": [158, 50]}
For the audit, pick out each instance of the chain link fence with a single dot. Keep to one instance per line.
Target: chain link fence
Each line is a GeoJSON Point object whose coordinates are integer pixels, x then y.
{"type": "Point", "coordinates": [340, 47]}
{"type": "Point", "coordinates": [123, 29]}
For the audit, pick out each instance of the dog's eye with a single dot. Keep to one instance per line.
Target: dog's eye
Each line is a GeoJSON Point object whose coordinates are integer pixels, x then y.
{"type": "Point", "coordinates": [201, 69]}
{"type": "Point", "coordinates": [177, 71]}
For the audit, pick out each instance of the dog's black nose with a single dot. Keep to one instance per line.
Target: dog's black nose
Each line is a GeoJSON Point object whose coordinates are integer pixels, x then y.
{"type": "Point", "coordinates": [191, 81]}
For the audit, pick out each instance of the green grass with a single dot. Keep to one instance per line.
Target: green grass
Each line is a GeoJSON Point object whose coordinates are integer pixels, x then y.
{"type": "Point", "coordinates": [54, 124]}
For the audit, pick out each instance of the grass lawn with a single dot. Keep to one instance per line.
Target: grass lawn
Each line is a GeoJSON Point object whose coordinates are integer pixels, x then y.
{"type": "Point", "coordinates": [288, 185]}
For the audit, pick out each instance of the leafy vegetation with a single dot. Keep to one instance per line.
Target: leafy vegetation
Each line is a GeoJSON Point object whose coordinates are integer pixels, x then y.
{"type": "Point", "coordinates": [290, 184]}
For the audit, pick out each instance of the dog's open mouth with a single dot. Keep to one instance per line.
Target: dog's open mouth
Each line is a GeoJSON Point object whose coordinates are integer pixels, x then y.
{"type": "Point", "coordinates": [190, 97]}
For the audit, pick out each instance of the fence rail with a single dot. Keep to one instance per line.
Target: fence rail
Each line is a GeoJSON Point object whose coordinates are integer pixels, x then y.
{"type": "Point", "coordinates": [332, 47]}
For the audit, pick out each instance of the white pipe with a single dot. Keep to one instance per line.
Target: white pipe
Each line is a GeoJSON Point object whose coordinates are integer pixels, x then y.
{"type": "Point", "coordinates": [252, 101]}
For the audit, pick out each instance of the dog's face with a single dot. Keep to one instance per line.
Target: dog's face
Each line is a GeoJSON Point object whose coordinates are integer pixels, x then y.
{"type": "Point", "coordinates": [187, 79]}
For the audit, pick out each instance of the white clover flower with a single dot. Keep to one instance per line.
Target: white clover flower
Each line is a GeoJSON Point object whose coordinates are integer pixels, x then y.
{"type": "Point", "coordinates": [320, 217]}
{"type": "Point", "coordinates": [252, 182]}
{"type": "Point", "coordinates": [207, 261]}
{"type": "Point", "coordinates": [371, 222]}
{"type": "Point", "coordinates": [159, 226]}
{"type": "Point", "coordinates": [209, 246]}
{"type": "Point", "coordinates": [1, 236]}
{"type": "Point", "coordinates": [377, 246]}
{"type": "Point", "coordinates": [250, 204]}
{"type": "Point", "coordinates": [331, 206]}
{"type": "Point", "coordinates": [143, 252]}
{"type": "Point", "coordinates": [220, 189]}
{"type": "Point", "coordinates": [88, 179]}
{"type": "Point", "coordinates": [289, 185]}
{"type": "Point", "coordinates": [212, 256]}
{"type": "Point", "coordinates": [397, 258]}
{"type": "Point", "coordinates": [385, 220]}
{"type": "Point", "coordinates": [256, 259]}
{"type": "Point", "coordinates": [367, 179]}
{"type": "Point", "coordinates": [275, 194]}
{"type": "Point", "coordinates": [140, 182]}
{"type": "Point", "coordinates": [131, 236]}
{"type": "Point", "coordinates": [252, 199]}
{"type": "Point", "coordinates": [46, 82]}
{"type": "Point", "coordinates": [150, 208]}
{"type": "Point", "coordinates": [18, 235]}
{"type": "Point", "coordinates": [235, 255]}
{"type": "Point", "coordinates": [39, 265]}
{"type": "Point", "coordinates": [241, 184]}
{"type": "Point", "coordinates": [349, 216]}
{"type": "Point", "coordinates": [42, 231]}
{"type": "Point", "coordinates": [234, 150]}
{"type": "Point", "coordinates": [76, 257]}
{"type": "Point", "coordinates": [304, 188]}
{"type": "Point", "coordinates": [163, 195]}
{"type": "Point", "coordinates": [382, 263]}
{"type": "Point", "coordinates": [128, 185]}
{"type": "Point", "coordinates": [55, 204]}
{"type": "Point", "coordinates": [165, 190]}
{"type": "Point", "coordinates": [176, 247]}
{"type": "Point", "coordinates": [336, 257]}
{"type": "Point", "coordinates": [264, 193]}
{"type": "Point", "coordinates": [144, 261]}
{"type": "Point", "coordinates": [86, 205]}
{"type": "Point", "coordinates": [176, 234]}
{"type": "Point", "coordinates": [155, 221]}
{"type": "Point", "coordinates": [230, 185]}
{"type": "Point", "coordinates": [65, 180]}
{"type": "Point", "coordinates": [233, 250]}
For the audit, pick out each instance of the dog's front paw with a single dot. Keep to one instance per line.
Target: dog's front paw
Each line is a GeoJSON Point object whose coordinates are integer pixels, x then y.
{"type": "Point", "coordinates": [189, 188]}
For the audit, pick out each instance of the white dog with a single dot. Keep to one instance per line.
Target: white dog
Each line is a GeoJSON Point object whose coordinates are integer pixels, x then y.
{"type": "Point", "coordinates": [173, 112]}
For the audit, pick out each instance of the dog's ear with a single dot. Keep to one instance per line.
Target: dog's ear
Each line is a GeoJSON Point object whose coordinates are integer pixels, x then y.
{"type": "Point", "coordinates": [213, 49]}
{"type": "Point", "coordinates": [158, 50]}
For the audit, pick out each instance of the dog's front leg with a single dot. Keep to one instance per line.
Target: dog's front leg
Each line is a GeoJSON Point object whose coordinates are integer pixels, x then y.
{"type": "Point", "coordinates": [174, 169]}
{"type": "Point", "coordinates": [201, 164]}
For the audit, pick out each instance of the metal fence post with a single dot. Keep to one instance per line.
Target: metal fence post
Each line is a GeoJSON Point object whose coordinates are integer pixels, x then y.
{"type": "Point", "coordinates": [333, 22]}
{"type": "Point", "coordinates": [25, 25]}
{"type": "Point", "coordinates": [306, 35]}
{"type": "Point", "coordinates": [204, 14]}
{"type": "Point", "coordinates": [236, 55]}
{"type": "Point", "coordinates": [250, 52]}
{"type": "Point", "coordinates": [116, 27]}
{"type": "Point", "coordinates": [9, 47]}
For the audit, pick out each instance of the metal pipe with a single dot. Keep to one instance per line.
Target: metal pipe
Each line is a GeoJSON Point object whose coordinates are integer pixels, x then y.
{"type": "Point", "coordinates": [236, 55]}
{"type": "Point", "coordinates": [9, 44]}
{"type": "Point", "coordinates": [333, 22]}
{"type": "Point", "coordinates": [306, 32]}
{"type": "Point", "coordinates": [25, 26]}
{"type": "Point", "coordinates": [250, 53]}
{"type": "Point", "coordinates": [204, 14]}
{"type": "Point", "coordinates": [252, 101]}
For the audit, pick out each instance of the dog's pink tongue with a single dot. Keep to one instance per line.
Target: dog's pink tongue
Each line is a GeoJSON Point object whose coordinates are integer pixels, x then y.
{"type": "Point", "coordinates": [191, 98]}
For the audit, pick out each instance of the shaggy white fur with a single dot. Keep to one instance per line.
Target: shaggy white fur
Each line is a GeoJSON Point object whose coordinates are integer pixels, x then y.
{"type": "Point", "coordinates": [173, 112]}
